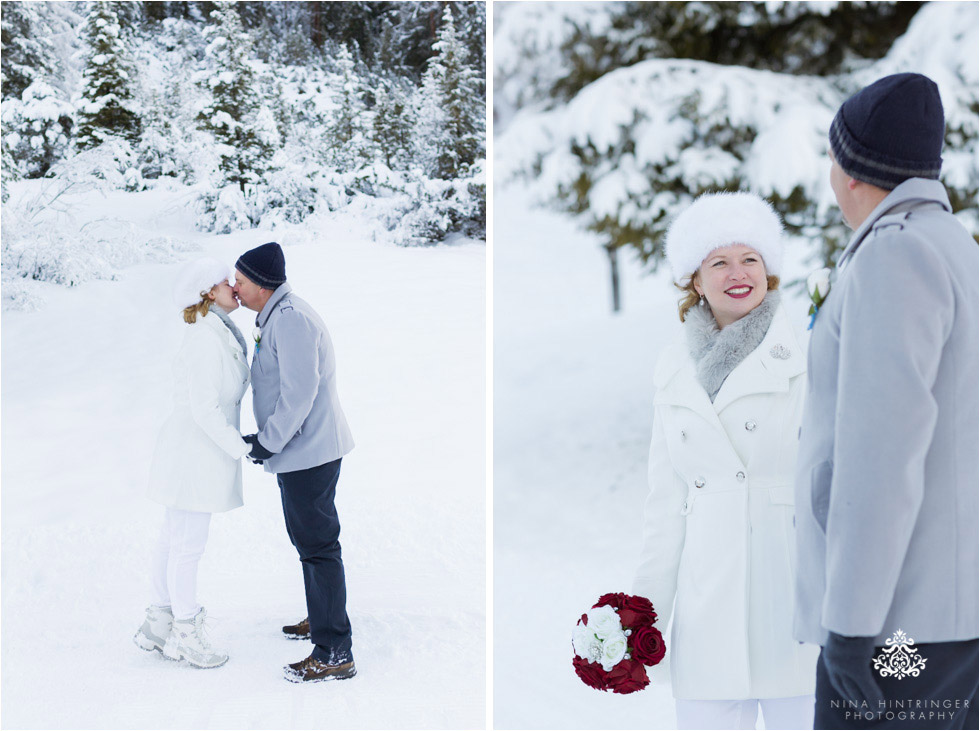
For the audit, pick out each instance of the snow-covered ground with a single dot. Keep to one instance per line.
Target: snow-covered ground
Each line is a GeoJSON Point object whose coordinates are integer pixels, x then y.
{"type": "Point", "coordinates": [87, 384]}
{"type": "Point", "coordinates": [572, 416]}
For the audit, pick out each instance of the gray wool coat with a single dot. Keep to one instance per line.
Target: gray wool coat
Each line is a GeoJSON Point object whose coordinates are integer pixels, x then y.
{"type": "Point", "coordinates": [294, 384]}
{"type": "Point", "coordinates": [887, 478]}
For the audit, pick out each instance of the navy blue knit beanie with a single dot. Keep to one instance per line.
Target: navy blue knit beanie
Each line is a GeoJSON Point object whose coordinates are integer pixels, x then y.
{"type": "Point", "coordinates": [890, 131]}
{"type": "Point", "coordinates": [265, 265]}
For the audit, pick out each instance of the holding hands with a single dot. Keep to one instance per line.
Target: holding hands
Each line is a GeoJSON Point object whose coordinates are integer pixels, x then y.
{"type": "Point", "coordinates": [259, 454]}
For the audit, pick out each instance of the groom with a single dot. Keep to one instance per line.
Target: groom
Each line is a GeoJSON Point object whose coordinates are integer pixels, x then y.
{"type": "Point", "coordinates": [887, 483]}
{"type": "Point", "coordinates": [302, 437]}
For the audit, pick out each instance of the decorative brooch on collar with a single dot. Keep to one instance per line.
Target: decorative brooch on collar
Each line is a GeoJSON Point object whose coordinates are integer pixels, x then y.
{"type": "Point", "coordinates": [780, 352]}
{"type": "Point", "coordinates": [818, 287]}
{"type": "Point", "coordinates": [257, 337]}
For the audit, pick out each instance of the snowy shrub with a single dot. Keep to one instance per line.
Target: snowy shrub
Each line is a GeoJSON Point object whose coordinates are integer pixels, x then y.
{"type": "Point", "coordinates": [111, 165]}
{"type": "Point", "coordinates": [133, 179]}
{"type": "Point", "coordinates": [37, 129]}
{"type": "Point", "coordinates": [57, 250]}
{"type": "Point", "coordinates": [289, 196]}
{"type": "Point", "coordinates": [420, 211]}
{"type": "Point", "coordinates": [42, 241]}
{"type": "Point", "coordinates": [18, 295]}
{"type": "Point", "coordinates": [10, 173]}
{"type": "Point", "coordinates": [222, 211]}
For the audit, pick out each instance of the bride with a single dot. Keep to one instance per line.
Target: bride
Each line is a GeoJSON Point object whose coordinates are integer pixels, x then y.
{"type": "Point", "coordinates": [197, 463]}
{"type": "Point", "coordinates": [719, 545]}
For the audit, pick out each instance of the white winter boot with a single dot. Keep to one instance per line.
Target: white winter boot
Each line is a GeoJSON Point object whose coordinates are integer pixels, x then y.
{"type": "Point", "coordinates": [187, 641]}
{"type": "Point", "coordinates": [155, 630]}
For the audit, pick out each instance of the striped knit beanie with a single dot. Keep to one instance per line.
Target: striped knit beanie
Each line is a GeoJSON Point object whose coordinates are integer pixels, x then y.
{"type": "Point", "coordinates": [265, 265]}
{"type": "Point", "coordinates": [890, 131]}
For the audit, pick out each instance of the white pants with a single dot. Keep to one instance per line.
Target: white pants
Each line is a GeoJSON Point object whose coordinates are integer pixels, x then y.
{"type": "Point", "coordinates": [779, 713]}
{"type": "Point", "coordinates": [174, 569]}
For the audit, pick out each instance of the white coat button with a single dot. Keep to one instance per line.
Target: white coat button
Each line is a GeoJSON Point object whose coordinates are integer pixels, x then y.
{"type": "Point", "coordinates": [685, 505]}
{"type": "Point", "coordinates": [699, 482]}
{"type": "Point", "coordinates": [750, 425]}
{"type": "Point", "coordinates": [740, 477]}
{"type": "Point", "coordinates": [683, 435]}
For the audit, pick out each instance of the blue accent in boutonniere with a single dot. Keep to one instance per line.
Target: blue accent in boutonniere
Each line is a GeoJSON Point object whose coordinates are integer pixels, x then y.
{"type": "Point", "coordinates": [818, 287]}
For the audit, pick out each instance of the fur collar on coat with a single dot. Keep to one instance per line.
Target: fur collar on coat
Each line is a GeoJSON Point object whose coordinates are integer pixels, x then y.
{"type": "Point", "coordinates": [716, 353]}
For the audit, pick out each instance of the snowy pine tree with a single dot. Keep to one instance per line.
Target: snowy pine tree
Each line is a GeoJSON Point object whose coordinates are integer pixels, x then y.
{"type": "Point", "coordinates": [450, 121]}
{"type": "Point", "coordinates": [37, 129]}
{"type": "Point", "coordinates": [345, 138]}
{"type": "Point", "coordinates": [391, 129]}
{"type": "Point", "coordinates": [107, 108]}
{"type": "Point", "coordinates": [244, 154]}
{"type": "Point", "coordinates": [26, 55]}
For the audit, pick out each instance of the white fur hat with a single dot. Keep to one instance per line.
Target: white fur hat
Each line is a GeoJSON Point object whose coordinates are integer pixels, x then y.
{"type": "Point", "coordinates": [715, 220]}
{"type": "Point", "coordinates": [197, 277]}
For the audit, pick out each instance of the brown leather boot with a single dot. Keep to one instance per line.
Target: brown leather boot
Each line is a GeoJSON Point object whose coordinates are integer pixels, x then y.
{"type": "Point", "coordinates": [298, 631]}
{"type": "Point", "coordinates": [312, 670]}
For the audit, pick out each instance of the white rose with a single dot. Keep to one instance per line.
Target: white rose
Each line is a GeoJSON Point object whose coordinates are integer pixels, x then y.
{"type": "Point", "coordinates": [818, 284]}
{"type": "Point", "coordinates": [586, 644]}
{"type": "Point", "coordinates": [604, 622]}
{"type": "Point", "coordinates": [613, 650]}
{"type": "Point", "coordinates": [257, 334]}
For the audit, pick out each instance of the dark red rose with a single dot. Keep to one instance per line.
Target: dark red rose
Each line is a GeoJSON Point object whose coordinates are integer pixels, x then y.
{"type": "Point", "coordinates": [611, 600]}
{"type": "Point", "coordinates": [637, 611]}
{"type": "Point", "coordinates": [634, 611]}
{"type": "Point", "coordinates": [628, 676]}
{"type": "Point", "coordinates": [585, 620]}
{"type": "Point", "coordinates": [648, 645]}
{"type": "Point", "coordinates": [591, 673]}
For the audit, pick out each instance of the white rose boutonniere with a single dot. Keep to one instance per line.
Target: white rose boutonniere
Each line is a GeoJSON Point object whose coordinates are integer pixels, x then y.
{"type": "Point", "coordinates": [257, 337]}
{"type": "Point", "coordinates": [818, 287]}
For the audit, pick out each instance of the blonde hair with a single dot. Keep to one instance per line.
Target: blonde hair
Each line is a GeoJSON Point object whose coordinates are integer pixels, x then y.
{"type": "Point", "coordinates": [201, 308]}
{"type": "Point", "coordinates": [692, 298]}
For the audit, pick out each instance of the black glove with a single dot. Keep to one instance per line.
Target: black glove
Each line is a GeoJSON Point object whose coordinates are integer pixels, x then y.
{"type": "Point", "coordinates": [259, 453]}
{"type": "Point", "coordinates": [848, 663]}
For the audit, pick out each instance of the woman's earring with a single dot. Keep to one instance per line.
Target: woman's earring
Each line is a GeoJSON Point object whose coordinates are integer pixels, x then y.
{"type": "Point", "coordinates": [702, 301]}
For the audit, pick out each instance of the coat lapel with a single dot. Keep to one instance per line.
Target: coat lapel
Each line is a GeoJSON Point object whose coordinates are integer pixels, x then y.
{"type": "Point", "coordinates": [768, 368]}
{"type": "Point", "coordinates": [227, 338]}
{"type": "Point", "coordinates": [677, 385]}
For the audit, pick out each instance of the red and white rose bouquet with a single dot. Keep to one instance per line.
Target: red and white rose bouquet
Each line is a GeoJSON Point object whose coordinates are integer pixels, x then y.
{"type": "Point", "coordinates": [615, 642]}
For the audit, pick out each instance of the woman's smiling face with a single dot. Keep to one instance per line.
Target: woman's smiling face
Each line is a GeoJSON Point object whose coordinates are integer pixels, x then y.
{"type": "Point", "coordinates": [733, 280]}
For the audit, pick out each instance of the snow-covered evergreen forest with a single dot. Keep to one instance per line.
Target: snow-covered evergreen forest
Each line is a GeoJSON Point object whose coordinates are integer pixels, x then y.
{"type": "Point", "coordinates": [264, 113]}
{"type": "Point", "coordinates": [620, 113]}
{"type": "Point", "coordinates": [138, 136]}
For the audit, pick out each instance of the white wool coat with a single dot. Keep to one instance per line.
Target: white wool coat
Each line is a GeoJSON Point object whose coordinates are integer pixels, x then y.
{"type": "Point", "coordinates": [197, 462]}
{"type": "Point", "coordinates": [719, 546]}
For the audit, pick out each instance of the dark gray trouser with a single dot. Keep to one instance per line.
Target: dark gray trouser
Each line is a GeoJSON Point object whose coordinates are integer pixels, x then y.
{"type": "Point", "coordinates": [944, 695]}
{"type": "Point", "coordinates": [314, 529]}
